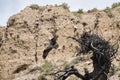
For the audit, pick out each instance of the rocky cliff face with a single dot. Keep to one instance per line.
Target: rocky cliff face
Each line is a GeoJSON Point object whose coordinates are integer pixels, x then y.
{"type": "Point", "coordinates": [31, 31]}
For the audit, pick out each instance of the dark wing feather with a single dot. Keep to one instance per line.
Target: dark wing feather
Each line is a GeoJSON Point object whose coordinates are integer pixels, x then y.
{"type": "Point", "coordinates": [46, 51]}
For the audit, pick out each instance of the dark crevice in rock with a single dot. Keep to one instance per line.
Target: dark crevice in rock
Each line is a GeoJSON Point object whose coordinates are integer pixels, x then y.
{"type": "Point", "coordinates": [21, 68]}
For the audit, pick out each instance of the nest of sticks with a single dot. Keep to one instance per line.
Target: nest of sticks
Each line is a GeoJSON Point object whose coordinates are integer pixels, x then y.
{"type": "Point", "coordinates": [103, 54]}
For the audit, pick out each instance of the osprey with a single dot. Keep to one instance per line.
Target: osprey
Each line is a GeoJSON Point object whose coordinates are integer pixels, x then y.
{"type": "Point", "coordinates": [53, 44]}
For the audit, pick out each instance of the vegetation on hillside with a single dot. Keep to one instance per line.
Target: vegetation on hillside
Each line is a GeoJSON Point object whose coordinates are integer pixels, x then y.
{"type": "Point", "coordinates": [37, 7]}
{"type": "Point", "coordinates": [64, 5]}
{"type": "Point", "coordinates": [93, 10]}
{"type": "Point", "coordinates": [108, 12]}
{"type": "Point", "coordinates": [80, 11]}
{"type": "Point", "coordinates": [114, 5]}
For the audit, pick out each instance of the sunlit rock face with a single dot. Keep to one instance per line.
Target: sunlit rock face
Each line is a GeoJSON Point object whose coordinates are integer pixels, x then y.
{"type": "Point", "coordinates": [18, 39]}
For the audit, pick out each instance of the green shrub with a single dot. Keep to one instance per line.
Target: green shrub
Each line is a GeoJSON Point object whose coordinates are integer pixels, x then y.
{"type": "Point", "coordinates": [42, 77]}
{"type": "Point", "coordinates": [56, 5]}
{"type": "Point", "coordinates": [108, 12]}
{"type": "Point", "coordinates": [107, 8]}
{"type": "Point", "coordinates": [114, 5]}
{"type": "Point", "coordinates": [65, 64]}
{"type": "Point", "coordinates": [64, 5]}
{"type": "Point", "coordinates": [80, 11]}
{"type": "Point", "coordinates": [77, 14]}
{"type": "Point", "coordinates": [41, 9]}
{"type": "Point", "coordinates": [37, 7]}
{"type": "Point", "coordinates": [93, 10]}
{"type": "Point", "coordinates": [47, 67]}
{"type": "Point", "coordinates": [34, 6]}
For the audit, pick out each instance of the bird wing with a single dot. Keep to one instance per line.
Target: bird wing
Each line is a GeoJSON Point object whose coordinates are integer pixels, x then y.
{"type": "Point", "coordinates": [46, 51]}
